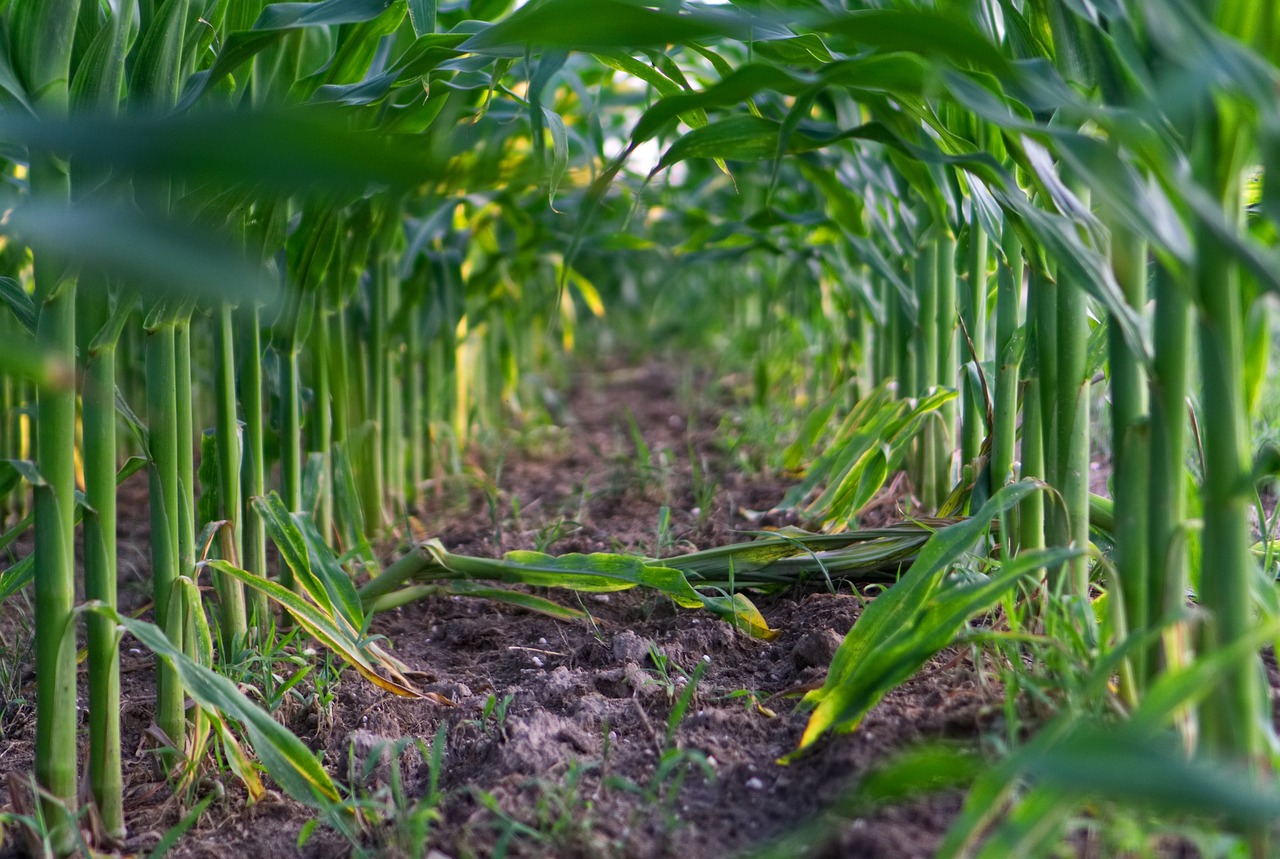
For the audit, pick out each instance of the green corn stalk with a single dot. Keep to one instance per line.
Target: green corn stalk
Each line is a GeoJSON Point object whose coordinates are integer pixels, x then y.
{"type": "Point", "coordinates": [310, 250]}
{"type": "Point", "coordinates": [1230, 715]}
{"type": "Point", "coordinates": [253, 477]}
{"type": "Point", "coordinates": [185, 444]}
{"type": "Point", "coordinates": [1166, 523]}
{"type": "Point", "coordinates": [974, 308]}
{"type": "Point", "coordinates": [233, 626]}
{"type": "Point", "coordinates": [1005, 399]}
{"type": "Point", "coordinates": [927, 339]}
{"type": "Point", "coordinates": [947, 373]}
{"type": "Point", "coordinates": [1130, 432]}
{"type": "Point", "coordinates": [322, 424]}
{"type": "Point", "coordinates": [1069, 442]}
{"type": "Point", "coordinates": [43, 35]}
{"type": "Point", "coordinates": [99, 422]}
{"type": "Point", "coordinates": [375, 481]}
{"type": "Point", "coordinates": [1008, 359]}
{"type": "Point", "coordinates": [162, 424]}
{"type": "Point", "coordinates": [385, 385]}
{"type": "Point", "coordinates": [1031, 513]}
{"type": "Point", "coordinates": [263, 235]}
{"type": "Point", "coordinates": [415, 407]}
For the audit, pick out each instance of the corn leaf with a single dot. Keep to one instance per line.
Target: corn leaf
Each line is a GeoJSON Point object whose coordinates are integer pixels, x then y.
{"type": "Point", "coordinates": [599, 572]}
{"type": "Point", "coordinates": [329, 632]}
{"type": "Point", "coordinates": [283, 755]}
{"type": "Point", "coordinates": [907, 624]}
{"type": "Point", "coordinates": [596, 25]}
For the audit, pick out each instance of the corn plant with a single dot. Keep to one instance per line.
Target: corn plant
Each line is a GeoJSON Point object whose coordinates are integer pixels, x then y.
{"type": "Point", "coordinates": [350, 210]}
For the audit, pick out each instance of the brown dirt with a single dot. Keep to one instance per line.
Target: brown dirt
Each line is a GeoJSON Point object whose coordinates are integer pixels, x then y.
{"type": "Point", "coordinates": [572, 769]}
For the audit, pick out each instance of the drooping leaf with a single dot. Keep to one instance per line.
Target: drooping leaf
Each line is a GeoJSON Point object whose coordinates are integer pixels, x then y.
{"type": "Point", "coordinates": [597, 25]}
{"type": "Point", "coordinates": [282, 754]}
{"type": "Point", "coordinates": [910, 622]}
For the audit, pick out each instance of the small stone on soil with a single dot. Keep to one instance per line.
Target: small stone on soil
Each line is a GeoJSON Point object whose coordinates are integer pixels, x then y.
{"type": "Point", "coordinates": [629, 647]}
{"type": "Point", "coordinates": [815, 649]}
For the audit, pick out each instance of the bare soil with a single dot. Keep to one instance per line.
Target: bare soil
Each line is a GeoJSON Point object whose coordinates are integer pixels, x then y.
{"type": "Point", "coordinates": [579, 755]}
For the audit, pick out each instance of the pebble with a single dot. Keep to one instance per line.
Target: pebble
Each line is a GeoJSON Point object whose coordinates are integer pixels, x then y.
{"type": "Point", "coordinates": [815, 649]}
{"type": "Point", "coordinates": [629, 647]}
{"type": "Point", "coordinates": [754, 783]}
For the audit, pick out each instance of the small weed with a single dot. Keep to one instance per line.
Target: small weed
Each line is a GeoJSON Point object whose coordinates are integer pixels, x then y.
{"type": "Point", "coordinates": [666, 673]}
{"type": "Point", "coordinates": [675, 763]}
{"type": "Point", "coordinates": [27, 800]}
{"type": "Point", "coordinates": [275, 675]}
{"type": "Point", "coordinates": [752, 700]}
{"type": "Point", "coordinates": [705, 487]}
{"type": "Point", "coordinates": [15, 653]}
{"type": "Point", "coordinates": [385, 820]}
{"type": "Point", "coordinates": [553, 532]}
{"type": "Point", "coordinates": [497, 711]}
{"type": "Point", "coordinates": [663, 540]}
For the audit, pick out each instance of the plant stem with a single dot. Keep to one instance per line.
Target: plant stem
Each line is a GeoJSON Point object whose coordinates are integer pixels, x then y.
{"type": "Point", "coordinates": [926, 362]}
{"type": "Point", "coordinates": [974, 406]}
{"type": "Point", "coordinates": [54, 532]}
{"type": "Point", "coordinates": [230, 591]}
{"type": "Point", "coordinates": [947, 375]}
{"type": "Point", "coordinates": [99, 421]}
{"type": "Point", "coordinates": [1230, 713]}
{"type": "Point", "coordinates": [1130, 444]}
{"type": "Point", "coordinates": [1005, 398]}
{"type": "Point", "coordinates": [163, 439]}
{"type": "Point", "coordinates": [1166, 554]}
{"type": "Point", "coordinates": [253, 468]}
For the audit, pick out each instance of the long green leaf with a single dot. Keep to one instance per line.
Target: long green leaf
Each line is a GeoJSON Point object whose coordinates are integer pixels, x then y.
{"type": "Point", "coordinates": [329, 632]}
{"type": "Point", "coordinates": [595, 25]}
{"type": "Point", "coordinates": [284, 756]}
{"type": "Point", "coordinates": [913, 620]}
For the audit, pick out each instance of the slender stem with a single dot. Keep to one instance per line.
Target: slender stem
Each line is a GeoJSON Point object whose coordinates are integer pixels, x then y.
{"type": "Point", "coordinates": [227, 439]}
{"type": "Point", "coordinates": [1168, 494]}
{"type": "Point", "coordinates": [290, 432]}
{"type": "Point", "coordinates": [1005, 398]}
{"type": "Point", "coordinates": [322, 425]}
{"type": "Point", "coordinates": [252, 467]}
{"type": "Point", "coordinates": [163, 439]}
{"type": "Point", "coordinates": [99, 421]}
{"type": "Point", "coordinates": [415, 411]}
{"type": "Point", "coordinates": [1071, 429]}
{"type": "Point", "coordinates": [1230, 714]}
{"type": "Point", "coordinates": [186, 441]}
{"type": "Point", "coordinates": [375, 481]}
{"type": "Point", "coordinates": [974, 406]}
{"type": "Point", "coordinates": [926, 363]}
{"type": "Point", "coordinates": [54, 533]}
{"type": "Point", "coordinates": [1130, 443]}
{"type": "Point", "coordinates": [943, 468]}
{"type": "Point", "coordinates": [1031, 512]}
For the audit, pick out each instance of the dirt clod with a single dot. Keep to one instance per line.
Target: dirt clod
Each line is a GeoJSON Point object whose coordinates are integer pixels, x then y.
{"type": "Point", "coordinates": [815, 649]}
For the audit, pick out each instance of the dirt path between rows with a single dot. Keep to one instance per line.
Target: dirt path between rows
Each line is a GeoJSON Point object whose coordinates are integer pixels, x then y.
{"type": "Point", "coordinates": [579, 755]}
